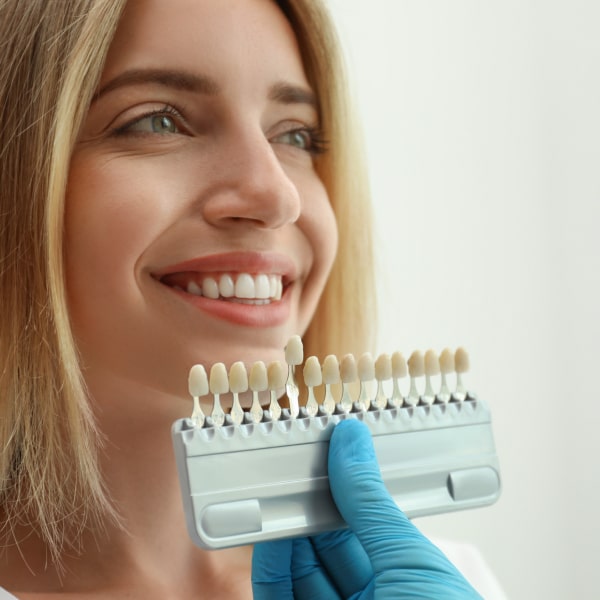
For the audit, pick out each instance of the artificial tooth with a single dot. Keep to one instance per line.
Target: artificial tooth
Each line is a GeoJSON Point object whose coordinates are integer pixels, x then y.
{"type": "Point", "coordinates": [194, 288]}
{"type": "Point", "coordinates": [244, 286]}
{"type": "Point", "coordinates": [261, 283]}
{"type": "Point", "coordinates": [279, 290]}
{"type": "Point", "coordinates": [210, 288]}
{"type": "Point", "coordinates": [226, 286]}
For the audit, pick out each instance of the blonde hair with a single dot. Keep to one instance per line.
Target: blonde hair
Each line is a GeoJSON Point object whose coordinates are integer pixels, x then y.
{"type": "Point", "coordinates": [51, 55]}
{"type": "Point", "coordinates": [345, 318]}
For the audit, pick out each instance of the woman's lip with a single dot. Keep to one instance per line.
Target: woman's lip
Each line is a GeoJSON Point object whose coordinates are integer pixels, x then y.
{"type": "Point", "coordinates": [235, 262]}
{"type": "Point", "coordinates": [251, 315]}
{"type": "Point", "coordinates": [262, 315]}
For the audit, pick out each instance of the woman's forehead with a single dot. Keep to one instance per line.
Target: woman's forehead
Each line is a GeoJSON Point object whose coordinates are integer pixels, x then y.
{"type": "Point", "coordinates": [224, 39]}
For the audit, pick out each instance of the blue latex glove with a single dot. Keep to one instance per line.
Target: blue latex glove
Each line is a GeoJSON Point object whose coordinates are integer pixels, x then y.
{"type": "Point", "coordinates": [381, 556]}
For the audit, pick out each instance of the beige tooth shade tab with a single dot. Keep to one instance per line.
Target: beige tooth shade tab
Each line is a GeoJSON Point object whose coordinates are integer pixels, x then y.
{"type": "Point", "coordinates": [416, 368]}
{"type": "Point", "coordinates": [366, 373]}
{"type": "Point", "coordinates": [331, 375]}
{"type": "Point", "coordinates": [198, 387]}
{"type": "Point", "coordinates": [348, 375]}
{"type": "Point", "coordinates": [383, 372]}
{"type": "Point", "coordinates": [276, 377]}
{"type": "Point", "coordinates": [259, 382]}
{"type": "Point", "coordinates": [238, 384]}
{"type": "Point", "coordinates": [312, 378]}
{"type": "Point", "coordinates": [219, 384]}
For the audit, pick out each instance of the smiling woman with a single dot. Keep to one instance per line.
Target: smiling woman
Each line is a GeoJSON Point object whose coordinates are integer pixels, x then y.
{"type": "Point", "coordinates": [181, 184]}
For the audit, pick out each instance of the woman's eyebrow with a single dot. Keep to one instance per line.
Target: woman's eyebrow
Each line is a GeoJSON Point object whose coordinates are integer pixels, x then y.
{"type": "Point", "coordinates": [281, 92]}
{"type": "Point", "coordinates": [286, 93]}
{"type": "Point", "coordinates": [179, 80]}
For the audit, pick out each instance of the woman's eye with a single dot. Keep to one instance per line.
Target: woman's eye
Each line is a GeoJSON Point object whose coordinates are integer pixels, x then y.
{"type": "Point", "coordinates": [306, 138]}
{"type": "Point", "coordinates": [159, 123]}
{"type": "Point", "coordinates": [299, 138]}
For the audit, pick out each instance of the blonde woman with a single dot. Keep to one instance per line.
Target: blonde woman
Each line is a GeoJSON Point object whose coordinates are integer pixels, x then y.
{"type": "Point", "coordinates": [152, 151]}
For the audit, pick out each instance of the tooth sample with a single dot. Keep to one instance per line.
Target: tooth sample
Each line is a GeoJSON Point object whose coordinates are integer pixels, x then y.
{"type": "Point", "coordinates": [219, 384]}
{"type": "Point", "coordinates": [461, 365]}
{"type": "Point", "coordinates": [226, 286]}
{"type": "Point", "coordinates": [244, 286]}
{"type": "Point", "coordinates": [348, 375]}
{"type": "Point", "coordinates": [276, 376]}
{"type": "Point", "coordinates": [383, 372]}
{"type": "Point", "coordinates": [432, 368]}
{"type": "Point", "coordinates": [312, 378]}
{"type": "Point", "coordinates": [399, 371]}
{"type": "Point", "coordinates": [259, 382]}
{"type": "Point", "coordinates": [416, 368]}
{"type": "Point", "coordinates": [366, 373]}
{"type": "Point", "coordinates": [331, 376]}
{"type": "Point", "coordinates": [210, 288]}
{"type": "Point", "coordinates": [446, 367]}
{"type": "Point", "coordinates": [198, 387]}
{"type": "Point", "coordinates": [238, 384]}
{"type": "Point", "coordinates": [294, 354]}
{"type": "Point", "coordinates": [261, 283]}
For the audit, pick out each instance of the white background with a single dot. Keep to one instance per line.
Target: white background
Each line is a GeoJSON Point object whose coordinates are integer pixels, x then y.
{"type": "Point", "coordinates": [482, 126]}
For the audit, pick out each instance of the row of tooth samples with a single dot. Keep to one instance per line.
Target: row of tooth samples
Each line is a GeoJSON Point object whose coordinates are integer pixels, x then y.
{"type": "Point", "coordinates": [347, 373]}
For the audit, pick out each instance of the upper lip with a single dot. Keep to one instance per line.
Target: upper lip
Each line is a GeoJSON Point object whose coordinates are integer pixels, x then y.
{"type": "Point", "coordinates": [235, 262]}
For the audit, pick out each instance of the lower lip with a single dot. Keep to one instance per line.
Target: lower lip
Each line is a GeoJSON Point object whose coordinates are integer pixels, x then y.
{"type": "Point", "coordinates": [250, 315]}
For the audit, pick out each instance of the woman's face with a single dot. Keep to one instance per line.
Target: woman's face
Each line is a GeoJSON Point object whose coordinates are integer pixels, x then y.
{"type": "Point", "coordinates": [197, 229]}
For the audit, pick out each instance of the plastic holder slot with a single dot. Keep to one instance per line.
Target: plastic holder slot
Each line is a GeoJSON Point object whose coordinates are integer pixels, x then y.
{"type": "Point", "coordinates": [249, 483]}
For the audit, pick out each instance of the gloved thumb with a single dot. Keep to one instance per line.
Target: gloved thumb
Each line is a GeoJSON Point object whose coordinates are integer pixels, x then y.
{"type": "Point", "coordinates": [389, 538]}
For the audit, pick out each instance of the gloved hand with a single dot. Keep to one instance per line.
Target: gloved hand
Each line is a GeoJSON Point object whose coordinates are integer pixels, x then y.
{"type": "Point", "coordinates": [381, 556]}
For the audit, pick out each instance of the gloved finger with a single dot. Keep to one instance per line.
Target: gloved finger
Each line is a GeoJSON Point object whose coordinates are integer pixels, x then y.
{"type": "Point", "coordinates": [310, 579]}
{"type": "Point", "coordinates": [345, 560]}
{"type": "Point", "coordinates": [272, 571]}
{"type": "Point", "coordinates": [358, 490]}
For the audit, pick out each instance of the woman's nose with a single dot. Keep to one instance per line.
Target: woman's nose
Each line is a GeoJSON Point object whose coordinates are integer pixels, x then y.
{"type": "Point", "coordinates": [250, 185]}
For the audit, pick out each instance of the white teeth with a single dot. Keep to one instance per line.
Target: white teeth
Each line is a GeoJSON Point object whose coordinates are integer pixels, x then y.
{"type": "Point", "coordinates": [258, 289]}
{"type": "Point", "coordinates": [244, 286]}
{"type": "Point", "coordinates": [261, 284]}
{"type": "Point", "coordinates": [194, 288]}
{"type": "Point", "coordinates": [210, 288]}
{"type": "Point", "coordinates": [226, 286]}
{"type": "Point", "coordinates": [273, 286]}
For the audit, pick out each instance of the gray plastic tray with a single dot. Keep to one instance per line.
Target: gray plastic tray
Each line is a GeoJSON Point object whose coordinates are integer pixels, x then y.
{"type": "Point", "coordinates": [248, 483]}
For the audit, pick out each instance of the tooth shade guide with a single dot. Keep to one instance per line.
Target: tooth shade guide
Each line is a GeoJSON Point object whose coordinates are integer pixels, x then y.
{"type": "Point", "coordinates": [364, 386]}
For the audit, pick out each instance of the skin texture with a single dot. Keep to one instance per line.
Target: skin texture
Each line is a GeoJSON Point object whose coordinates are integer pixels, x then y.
{"type": "Point", "coordinates": [220, 178]}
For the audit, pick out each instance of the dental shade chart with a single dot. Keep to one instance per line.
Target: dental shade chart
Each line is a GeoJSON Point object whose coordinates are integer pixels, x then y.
{"type": "Point", "coordinates": [256, 474]}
